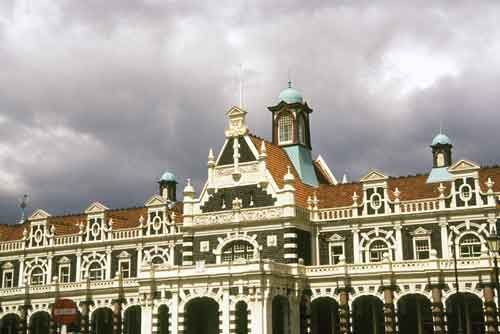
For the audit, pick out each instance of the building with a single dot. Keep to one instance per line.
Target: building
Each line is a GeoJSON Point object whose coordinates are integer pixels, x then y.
{"type": "Point", "coordinates": [272, 244]}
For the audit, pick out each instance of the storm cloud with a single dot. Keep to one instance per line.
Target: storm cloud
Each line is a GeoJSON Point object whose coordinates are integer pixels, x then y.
{"type": "Point", "coordinates": [98, 98]}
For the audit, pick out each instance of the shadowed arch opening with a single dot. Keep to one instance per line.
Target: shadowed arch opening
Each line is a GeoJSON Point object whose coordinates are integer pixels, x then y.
{"type": "Point", "coordinates": [415, 315]}
{"type": "Point", "coordinates": [202, 316]}
{"type": "Point", "coordinates": [163, 315]}
{"type": "Point", "coordinates": [102, 321]}
{"type": "Point", "coordinates": [9, 324]}
{"type": "Point", "coordinates": [281, 315]}
{"type": "Point", "coordinates": [132, 320]}
{"type": "Point", "coordinates": [241, 317]}
{"type": "Point", "coordinates": [39, 323]}
{"type": "Point", "coordinates": [464, 314]}
{"type": "Point", "coordinates": [325, 316]}
{"type": "Point", "coordinates": [368, 315]}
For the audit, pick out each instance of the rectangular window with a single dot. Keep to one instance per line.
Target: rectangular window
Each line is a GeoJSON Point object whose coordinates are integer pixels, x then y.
{"type": "Point", "coordinates": [64, 273]}
{"type": "Point", "coordinates": [124, 267]}
{"type": "Point", "coordinates": [8, 279]}
{"type": "Point", "coordinates": [422, 247]}
{"type": "Point", "coordinates": [336, 252]}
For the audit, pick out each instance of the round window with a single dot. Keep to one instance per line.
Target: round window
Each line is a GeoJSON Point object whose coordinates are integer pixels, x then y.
{"type": "Point", "coordinates": [376, 201]}
{"type": "Point", "coordinates": [465, 192]}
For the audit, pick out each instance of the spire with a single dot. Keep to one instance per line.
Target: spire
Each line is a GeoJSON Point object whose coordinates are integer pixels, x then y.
{"type": "Point", "coordinates": [344, 179]}
{"type": "Point", "coordinates": [23, 204]}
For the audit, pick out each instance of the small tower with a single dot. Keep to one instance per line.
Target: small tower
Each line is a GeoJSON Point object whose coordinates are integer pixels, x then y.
{"type": "Point", "coordinates": [168, 186]}
{"type": "Point", "coordinates": [441, 151]}
{"type": "Point", "coordinates": [291, 119]}
{"type": "Point", "coordinates": [441, 159]}
{"type": "Point", "coordinates": [292, 132]}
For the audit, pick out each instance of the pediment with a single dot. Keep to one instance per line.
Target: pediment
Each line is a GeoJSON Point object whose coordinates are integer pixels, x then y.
{"type": "Point", "coordinates": [373, 175]}
{"type": "Point", "coordinates": [464, 165]}
{"type": "Point", "coordinates": [39, 215]}
{"type": "Point", "coordinates": [64, 259]}
{"type": "Point", "coordinates": [7, 265]}
{"type": "Point", "coordinates": [235, 111]}
{"type": "Point", "coordinates": [336, 237]}
{"type": "Point", "coordinates": [155, 201]}
{"type": "Point", "coordinates": [96, 207]}
{"type": "Point", "coordinates": [124, 255]}
{"type": "Point", "coordinates": [421, 231]}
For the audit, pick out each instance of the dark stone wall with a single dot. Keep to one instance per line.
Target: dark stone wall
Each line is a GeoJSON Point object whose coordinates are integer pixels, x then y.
{"type": "Point", "coordinates": [55, 267]}
{"type": "Point", "coordinates": [324, 253]}
{"type": "Point", "coordinates": [247, 194]}
{"type": "Point", "coordinates": [304, 246]}
{"type": "Point", "coordinates": [15, 263]}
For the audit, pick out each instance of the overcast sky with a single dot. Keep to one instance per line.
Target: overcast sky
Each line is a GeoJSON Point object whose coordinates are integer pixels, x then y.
{"type": "Point", "coordinates": [98, 98]}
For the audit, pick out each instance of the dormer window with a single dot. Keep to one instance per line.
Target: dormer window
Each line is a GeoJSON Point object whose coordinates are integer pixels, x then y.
{"type": "Point", "coordinates": [285, 128]}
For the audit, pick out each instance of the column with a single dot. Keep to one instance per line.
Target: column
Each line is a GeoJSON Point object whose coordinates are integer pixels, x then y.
{"type": "Point", "coordinates": [147, 318]}
{"type": "Point", "coordinates": [294, 314]}
{"type": "Point", "coordinates": [78, 266]}
{"type": "Point", "coordinates": [399, 242]}
{"type": "Point", "coordinates": [117, 317]}
{"type": "Point", "coordinates": [23, 324]}
{"type": "Point", "coordinates": [490, 310]}
{"type": "Point", "coordinates": [21, 271]}
{"type": "Point", "coordinates": [344, 317]}
{"type": "Point", "coordinates": [389, 314]}
{"type": "Point", "coordinates": [49, 269]}
{"type": "Point", "coordinates": [139, 259]}
{"type": "Point", "coordinates": [355, 234]}
{"type": "Point", "coordinates": [174, 313]}
{"type": "Point", "coordinates": [84, 319]}
{"type": "Point", "coordinates": [224, 312]}
{"type": "Point", "coordinates": [444, 238]}
{"type": "Point", "coordinates": [108, 264]}
{"type": "Point", "coordinates": [437, 309]}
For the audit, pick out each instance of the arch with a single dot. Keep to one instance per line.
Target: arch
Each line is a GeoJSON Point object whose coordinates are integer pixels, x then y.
{"type": "Point", "coordinates": [132, 320]}
{"type": "Point", "coordinates": [465, 310]}
{"type": "Point", "coordinates": [158, 256]}
{"type": "Point", "coordinates": [280, 315]}
{"type": "Point", "coordinates": [201, 316]}
{"type": "Point", "coordinates": [163, 319]}
{"type": "Point", "coordinates": [368, 315]}
{"type": "Point", "coordinates": [101, 321]}
{"type": "Point", "coordinates": [9, 324]}
{"type": "Point", "coordinates": [39, 323]}
{"type": "Point", "coordinates": [414, 314]}
{"type": "Point", "coordinates": [93, 259]}
{"type": "Point", "coordinates": [377, 234]}
{"type": "Point", "coordinates": [325, 316]}
{"type": "Point", "coordinates": [241, 317]}
{"type": "Point", "coordinates": [469, 244]}
{"type": "Point", "coordinates": [232, 238]}
{"type": "Point", "coordinates": [458, 231]}
{"type": "Point", "coordinates": [37, 275]}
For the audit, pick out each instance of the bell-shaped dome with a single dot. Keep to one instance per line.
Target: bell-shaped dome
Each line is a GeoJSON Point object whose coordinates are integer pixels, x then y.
{"type": "Point", "coordinates": [291, 95]}
{"type": "Point", "coordinates": [168, 177]}
{"type": "Point", "coordinates": [442, 139]}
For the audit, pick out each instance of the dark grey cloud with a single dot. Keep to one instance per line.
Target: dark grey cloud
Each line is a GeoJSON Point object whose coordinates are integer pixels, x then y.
{"type": "Point", "coordinates": [98, 98]}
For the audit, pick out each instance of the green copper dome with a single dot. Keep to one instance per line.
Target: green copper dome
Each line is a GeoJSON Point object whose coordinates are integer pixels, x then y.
{"type": "Point", "coordinates": [290, 95]}
{"type": "Point", "coordinates": [168, 177]}
{"type": "Point", "coordinates": [442, 139]}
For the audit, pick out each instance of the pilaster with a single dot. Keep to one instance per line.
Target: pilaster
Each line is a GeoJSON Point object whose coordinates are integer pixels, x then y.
{"type": "Point", "coordinates": [437, 308]}
{"type": "Point", "coordinates": [344, 313]}
{"type": "Point", "coordinates": [355, 236]}
{"type": "Point", "coordinates": [490, 309]}
{"type": "Point", "coordinates": [389, 313]}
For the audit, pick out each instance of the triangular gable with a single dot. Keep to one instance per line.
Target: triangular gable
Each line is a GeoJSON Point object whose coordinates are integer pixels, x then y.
{"type": "Point", "coordinates": [421, 231]}
{"type": "Point", "coordinates": [39, 215]}
{"type": "Point", "coordinates": [464, 165]}
{"type": "Point", "coordinates": [336, 237]}
{"type": "Point", "coordinates": [235, 111]}
{"type": "Point", "coordinates": [372, 176]}
{"type": "Point", "coordinates": [245, 152]}
{"type": "Point", "coordinates": [96, 207]}
{"type": "Point", "coordinates": [155, 200]}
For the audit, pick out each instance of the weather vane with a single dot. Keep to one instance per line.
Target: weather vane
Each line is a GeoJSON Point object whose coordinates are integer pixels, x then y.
{"type": "Point", "coordinates": [23, 204]}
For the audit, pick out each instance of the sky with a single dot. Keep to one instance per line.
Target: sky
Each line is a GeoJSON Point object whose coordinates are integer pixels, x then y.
{"type": "Point", "coordinates": [99, 98]}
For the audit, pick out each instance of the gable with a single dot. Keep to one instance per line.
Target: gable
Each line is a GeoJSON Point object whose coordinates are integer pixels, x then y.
{"type": "Point", "coordinates": [155, 201]}
{"type": "Point", "coordinates": [39, 215]}
{"type": "Point", "coordinates": [464, 165]}
{"type": "Point", "coordinates": [245, 152]}
{"type": "Point", "coordinates": [96, 207]}
{"type": "Point", "coordinates": [373, 175]}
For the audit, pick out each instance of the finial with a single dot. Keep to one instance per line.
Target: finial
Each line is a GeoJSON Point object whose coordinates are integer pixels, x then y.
{"type": "Point", "coordinates": [241, 86]}
{"type": "Point", "coordinates": [23, 204]}
{"type": "Point", "coordinates": [263, 148]}
{"type": "Point", "coordinates": [344, 179]}
{"type": "Point", "coordinates": [289, 83]}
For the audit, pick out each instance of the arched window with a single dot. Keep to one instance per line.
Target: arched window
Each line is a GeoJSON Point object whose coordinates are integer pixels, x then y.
{"type": "Point", "coordinates": [285, 128]}
{"type": "Point", "coordinates": [95, 271]}
{"type": "Point", "coordinates": [440, 159]}
{"type": "Point", "coordinates": [470, 246]}
{"type": "Point", "coordinates": [377, 250]}
{"type": "Point", "coordinates": [37, 276]}
{"type": "Point", "coordinates": [239, 249]}
{"type": "Point", "coordinates": [301, 130]}
{"type": "Point", "coordinates": [157, 259]}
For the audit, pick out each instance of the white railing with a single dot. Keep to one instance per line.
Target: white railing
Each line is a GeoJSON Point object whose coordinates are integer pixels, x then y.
{"type": "Point", "coordinates": [11, 246]}
{"type": "Point", "coordinates": [69, 239]}
{"type": "Point", "coordinates": [419, 206]}
{"type": "Point", "coordinates": [124, 234]}
{"type": "Point", "coordinates": [335, 214]}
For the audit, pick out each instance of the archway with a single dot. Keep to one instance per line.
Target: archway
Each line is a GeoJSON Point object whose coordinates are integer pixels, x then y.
{"type": "Point", "coordinates": [132, 320]}
{"type": "Point", "coordinates": [202, 316]}
{"type": "Point", "coordinates": [39, 323]}
{"type": "Point", "coordinates": [281, 315]}
{"type": "Point", "coordinates": [102, 321]}
{"type": "Point", "coordinates": [163, 316]}
{"type": "Point", "coordinates": [368, 315]}
{"type": "Point", "coordinates": [241, 318]}
{"type": "Point", "coordinates": [9, 324]}
{"type": "Point", "coordinates": [465, 311]}
{"type": "Point", "coordinates": [415, 315]}
{"type": "Point", "coordinates": [325, 316]}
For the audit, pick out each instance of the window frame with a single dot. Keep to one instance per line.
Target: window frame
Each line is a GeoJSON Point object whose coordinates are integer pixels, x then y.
{"type": "Point", "coordinates": [129, 270]}
{"type": "Point", "coordinates": [4, 278]}
{"type": "Point", "coordinates": [40, 275]}
{"type": "Point", "coordinates": [61, 275]}
{"type": "Point", "coordinates": [229, 250]}
{"type": "Point", "coordinates": [333, 244]}
{"type": "Point", "coordinates": [416, 251]}
{"type": "Point", "coordinates": [386, 249]}
{"type": "Point", "coordinates": [90, 270]}
{"type": "Point", "coordinates": [285, 128]}
{"type": "Point", "coordinates": [469, 246]}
